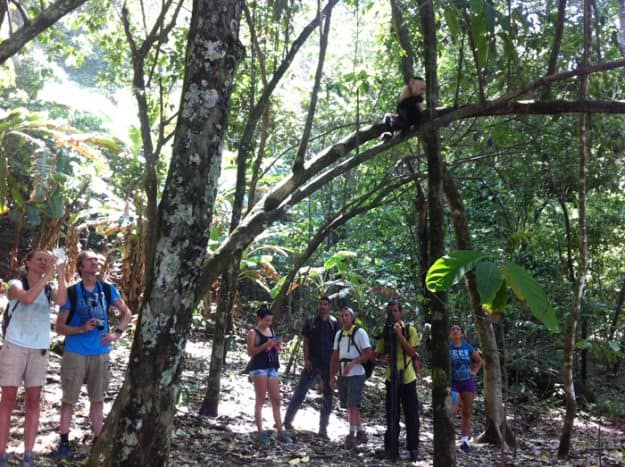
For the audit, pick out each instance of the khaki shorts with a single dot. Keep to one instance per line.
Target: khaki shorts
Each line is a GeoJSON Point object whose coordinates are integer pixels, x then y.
{"type": "Point", "coordinates": [19, 364]}
{"type": "Point", "coordinates": [77, 369]}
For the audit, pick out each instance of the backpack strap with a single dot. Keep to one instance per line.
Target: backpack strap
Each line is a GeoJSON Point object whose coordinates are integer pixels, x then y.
{"type": "Point", "coordinates": [72, 295]}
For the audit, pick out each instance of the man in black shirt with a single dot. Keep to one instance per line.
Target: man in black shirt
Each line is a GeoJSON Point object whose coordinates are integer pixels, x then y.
{"type": "Point", "coordinates": [318, 335]}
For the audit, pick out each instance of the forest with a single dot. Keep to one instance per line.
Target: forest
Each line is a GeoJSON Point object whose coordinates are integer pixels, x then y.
{"type": "Point", "coordinates": [221, 154]}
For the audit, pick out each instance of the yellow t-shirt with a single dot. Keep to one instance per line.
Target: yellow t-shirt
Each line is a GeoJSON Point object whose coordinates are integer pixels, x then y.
{"type": "Point", "coordinates": [404, 362]}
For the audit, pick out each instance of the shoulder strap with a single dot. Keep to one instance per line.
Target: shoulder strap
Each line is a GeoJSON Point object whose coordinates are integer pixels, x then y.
{"type": "Point", "coordinates": [107, 293]}
{"type": "Point", "coordinates": [72, 296]}
{"type": "Point", "coordinates": [351, 336]}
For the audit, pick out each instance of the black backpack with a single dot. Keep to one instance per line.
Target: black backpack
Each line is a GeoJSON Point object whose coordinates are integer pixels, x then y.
{"type": "Point", "coordinates": [72, 296]}
{"type": "Point", "coordinates": [368, 365]}
{"type": "Point", "coordinates": [8, 312]}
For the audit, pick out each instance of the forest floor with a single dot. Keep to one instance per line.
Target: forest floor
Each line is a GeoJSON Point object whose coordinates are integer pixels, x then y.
{"type": "Point", "coordinates": [229, 438]}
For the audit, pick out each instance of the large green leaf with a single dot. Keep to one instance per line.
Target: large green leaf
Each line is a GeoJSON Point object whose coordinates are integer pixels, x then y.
{"type": "Point", "coordinates": [489, 280]}
{"type": "Point", "coordinates": [450, 269]}
{"type": "Point", "coordinates": [530, 293]}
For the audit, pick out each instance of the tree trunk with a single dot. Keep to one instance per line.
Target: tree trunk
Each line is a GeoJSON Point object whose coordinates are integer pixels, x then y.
{"type": "Point", "coordinates": [137, 431]}
{"type": "Point", "coordinates": [571, 325]}
{"type": "Point", "coordinates": [496, 431]}
{"type": "Point", "coordinates": [444, 437]}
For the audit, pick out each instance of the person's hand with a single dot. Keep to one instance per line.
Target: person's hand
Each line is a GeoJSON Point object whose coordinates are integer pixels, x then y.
{"type": "Point", "coordinates": [348, 368]}
{"type": "Point", "coordinates": [50, 264]}
{"type": "Point", "coordinates": [333, 383]}
{"type": "Point", "coordinates": [386, 358]}
{"type": "Point", "coordinates": [418, 364]}
{"type": "Point", "coordinates": [397, 329]}
{"type": "Point", "coordinates": [91, 324]}
{"type": "Point", "coordinates": [307, 365]}
{"type": "Point", "coordinates": [109, 338]}
{"type": "Point", "coordinates": [277, 343]}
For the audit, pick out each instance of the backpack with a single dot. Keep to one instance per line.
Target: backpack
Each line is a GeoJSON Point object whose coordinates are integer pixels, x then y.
{"type": "Point", "coordinates": [72, 296]}
{"type": "Point", "coordinates": [368, 365]}
{"type": "Point", "coordinates": [8, 312]}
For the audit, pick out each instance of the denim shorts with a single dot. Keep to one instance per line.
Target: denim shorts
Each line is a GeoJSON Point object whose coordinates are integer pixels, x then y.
{"type": "Point", "coordinates": [268, 372]}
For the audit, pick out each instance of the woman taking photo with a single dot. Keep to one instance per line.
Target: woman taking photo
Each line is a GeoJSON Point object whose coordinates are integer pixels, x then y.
{"type": "Point", "coordinates": [263, 346]}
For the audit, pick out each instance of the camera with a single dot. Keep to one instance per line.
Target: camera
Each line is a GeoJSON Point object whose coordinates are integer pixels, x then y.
{"type": "Point", "coordinates": [99, 323]}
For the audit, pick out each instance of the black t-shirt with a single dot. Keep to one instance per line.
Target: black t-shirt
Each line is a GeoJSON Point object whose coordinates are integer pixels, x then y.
{"type": "Point", "coordinates": [321, 339]}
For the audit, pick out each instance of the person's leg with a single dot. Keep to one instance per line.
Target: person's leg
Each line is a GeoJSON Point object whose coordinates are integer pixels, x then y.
{"type": "Point", "coordinates": [467, 408]}
{"type": "Point", "coordinates": [7, 404]}
{"type": "Point", "coordinates": [389, 418]}
{"type": "Point", "coordinates": [326, 405]}
{"type": "Point", "coordinates": [67, 410]}
{"type": "Point", "coordinates": [410, 405]}
{"type": "Point", "coordinates": [273, 388]}
{"type": "Point", "coordinates": [96, 414]}
{"type": "Point", "coordinates": [299, 394]}
{"type": "Point", "coordinates": [260, 389]}
{"type": "Point", "coordinates": [31, 418]}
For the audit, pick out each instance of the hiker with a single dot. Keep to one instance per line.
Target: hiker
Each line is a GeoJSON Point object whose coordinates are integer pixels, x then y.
{"type": "Point", "coordinates": [263, 346]}
{"type": "Point", "coordinates": [24, 354]}
{"type": "Point", "coordinates": [318, 334]}
{"type": "Point", "coordinates": [465, 364]}
{"type": "Point", "coordinates": [401, 381]}
{"type": "Point", "coordinates": [351, 350]}
{"type": "Point", "coordinates": [84, 322]}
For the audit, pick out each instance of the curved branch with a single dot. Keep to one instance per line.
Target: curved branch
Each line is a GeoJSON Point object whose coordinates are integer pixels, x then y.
{"type": "Point", "coordinates": [29, 31]}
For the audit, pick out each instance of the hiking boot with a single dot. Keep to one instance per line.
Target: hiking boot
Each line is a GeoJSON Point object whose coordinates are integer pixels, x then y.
{"type": "Point", "coordinates": [62, 451]}
{"type": "Point", "coordinates": [27, 460]}
{"type": "Point", "coordinates": [350, 441]}
{"type": "Point", "coordinates": [464, 447]}
{"type": "Point", "coordinates": [323, 433]}
{"type": "Point", "coordinates": [4, 459]}
{"type": "Point", "coordinates": [263, 438]}
{"type": "Point", "coordinates": [361, 437]}
{"type": "Point", "coordinates": [288, 426]}
{"type": "Point", "coordinates": [414, 455]}
{"type": "Point", "coordinates": [284, 437]}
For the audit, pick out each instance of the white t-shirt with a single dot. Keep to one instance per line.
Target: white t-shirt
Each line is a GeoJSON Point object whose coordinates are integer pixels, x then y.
{"type": "Point", "coordinates": [347, 350]}
{"type": "Point", "coordinates": [30, 324]}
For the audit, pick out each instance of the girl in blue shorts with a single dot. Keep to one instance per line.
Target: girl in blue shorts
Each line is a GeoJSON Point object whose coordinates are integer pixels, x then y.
{"type": "Point", "coordinates": [465, 363]}
{"type": "Point", "coordinates": [263, 346]}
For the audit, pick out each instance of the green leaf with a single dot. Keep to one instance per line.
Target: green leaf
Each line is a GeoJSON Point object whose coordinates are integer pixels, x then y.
{"type": "Point", "coordinates": [489, 280]}
{"type": "Point", "coordinates": [450, 269]}
{"type": "Point", "coordinates": [501, 299]}
{"type": "Point", "coordinates": [529, 293]}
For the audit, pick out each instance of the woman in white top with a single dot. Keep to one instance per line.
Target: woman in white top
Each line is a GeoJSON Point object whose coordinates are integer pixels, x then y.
{"type": "Point", "coordinates": [24, 353]}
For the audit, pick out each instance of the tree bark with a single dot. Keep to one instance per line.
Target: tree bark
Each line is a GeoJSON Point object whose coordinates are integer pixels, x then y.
{"type": "Point", "coordinates": [580, 286]}
{"type": "Point", "coordinates": [497, 430]}
{"type": "Point", "coordinates": [444, 443]}
{"type": "Point", "coordinates": [137, 431]}
{"type": "Point", "coordinates": [555, 48]}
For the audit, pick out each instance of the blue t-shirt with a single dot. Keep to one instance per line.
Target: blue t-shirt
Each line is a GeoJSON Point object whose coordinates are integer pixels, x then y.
{"type": "Point", "coordinates": [461, 361]}
{"type": "Point", "coordinates": [89, 305]}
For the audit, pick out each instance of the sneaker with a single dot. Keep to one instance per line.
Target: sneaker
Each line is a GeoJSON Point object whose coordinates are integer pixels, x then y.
{"type": "Point", "coordinates": [63, 450]}
{"type": "Point", "coordinates": [350, 441]}
{"type": "Point", "coordinates": [464, 447]}
{"type": "Point", "coordinates": [27, 460]}
{"type": "Point", "coordinates": [361, 437]}
{"type": "Point", "coordinates": [4, 459]}
{"type": "Point", "coordinates": [287, 425]}
{"type": "Point", "coordinates": [284, 437]}
{"type": "Point", "coordinates": [263, 438]}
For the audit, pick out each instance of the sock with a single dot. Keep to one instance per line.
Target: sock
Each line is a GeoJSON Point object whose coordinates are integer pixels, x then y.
{"type": "Point", "coordinates": [65, 437]}
{"type": "Point", "coordinates": [465, 439]}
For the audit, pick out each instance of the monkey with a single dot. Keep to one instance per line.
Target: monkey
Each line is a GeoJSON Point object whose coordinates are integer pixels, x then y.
{"type": "Point", "coordinates": [409, 108]}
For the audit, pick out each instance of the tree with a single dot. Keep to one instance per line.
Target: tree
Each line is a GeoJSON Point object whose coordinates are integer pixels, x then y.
{"type": "Point", "coordinates": [137, 431]}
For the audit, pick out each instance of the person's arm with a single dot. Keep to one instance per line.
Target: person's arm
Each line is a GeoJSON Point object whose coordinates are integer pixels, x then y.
{"type": "Point", "coordinates": [252, 348]}
{"type": "Point", "coordinates": [60, 294]}
{"type": "Point", "coordinates": [478, 360]}
{"type": "Point", "coordinates": [116, 333]}
{"type": "Point", "coordinates": [307, 362]}
{"type": "Point", "coordinates": [408, 348]}
{"type": "Point", "coordinates": [63, 328]}
{"type": "Point", "coordinates": [334, 368]}
{"type": "Point", "coordinates": [27, 297]}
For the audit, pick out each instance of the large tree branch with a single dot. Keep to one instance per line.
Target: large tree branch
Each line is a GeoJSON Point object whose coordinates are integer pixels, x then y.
{"type": "Point", "coordinates": [30, 30]}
